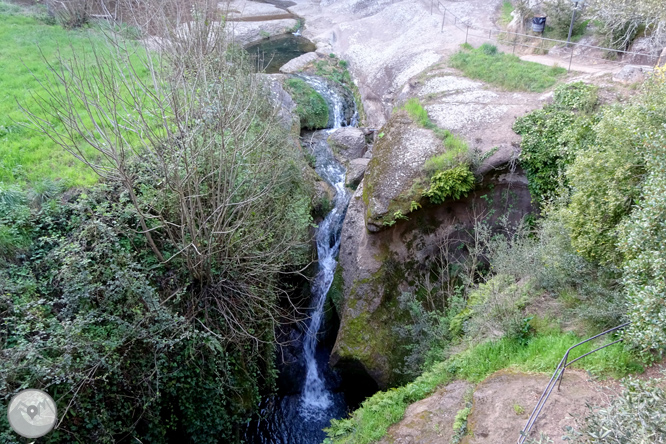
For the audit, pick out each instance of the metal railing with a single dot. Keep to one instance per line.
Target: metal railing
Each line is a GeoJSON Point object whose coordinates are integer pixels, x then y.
{"type": "Point", "coordinates": [557, 376]}
{"type": "Point", "coordinates": [539, 43]}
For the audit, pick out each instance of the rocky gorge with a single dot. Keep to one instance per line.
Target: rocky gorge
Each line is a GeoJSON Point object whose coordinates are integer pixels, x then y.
{"type": "Point", "coordinates": [389, 68]}
{"type": "Point", "coordinates": [392, 236]}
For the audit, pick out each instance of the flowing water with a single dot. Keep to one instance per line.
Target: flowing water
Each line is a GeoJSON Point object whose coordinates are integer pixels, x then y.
{"type": "Point", "coordinates": [298, 418]}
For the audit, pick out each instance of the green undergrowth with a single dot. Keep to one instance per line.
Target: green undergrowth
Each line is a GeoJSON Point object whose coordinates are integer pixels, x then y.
{"type": "Point", "coordinates": [504, 70]}
{"type": "Point", "coordinates": [449, 173]}
{"type": "Point", "coordinates": [336, 70]}
{"type": "Point", "coordinates": [542, 353]}
{"type": "Point", "coordinates": [505, 12]}
{"type": "Point", "coordinates": [28, 42]}
{"type": "Point", "coordinates": [311, 106]}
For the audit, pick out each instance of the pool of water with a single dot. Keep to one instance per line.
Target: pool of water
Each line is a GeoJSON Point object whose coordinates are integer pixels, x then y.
{"type": "Point", "coordinates": [274, 52]}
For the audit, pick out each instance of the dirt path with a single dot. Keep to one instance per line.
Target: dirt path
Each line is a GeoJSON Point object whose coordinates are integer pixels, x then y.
{"type": "Point", "coordinates": [501, 406]}
{"type": "Point", "coordinates": [592, 68]}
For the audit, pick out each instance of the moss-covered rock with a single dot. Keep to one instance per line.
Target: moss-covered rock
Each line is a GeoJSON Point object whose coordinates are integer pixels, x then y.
{"type": "Point", "coordinates": [310, 105]}
{"type": "Point", "coordinates": [377, 267]}
{"type": "Point", "coordinates": [395, 181]}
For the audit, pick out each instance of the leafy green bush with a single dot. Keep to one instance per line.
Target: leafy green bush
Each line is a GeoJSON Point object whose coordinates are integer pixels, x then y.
{"type": "Point", "coordinates": [311, 106]}
{"type": "Point", "coordinates": [147, 300]}
{"type": "Point", "coordinates": [641, 239]}
{"type": "Point", "coordinates": [637, 415]}
{"type": "Point", "coordinates": [577, 96]}
{"type": "Point", "coordinates": [554, 135]}
{"type": "Point", "coordinates": [559, 19]}
{"type": "Point", "coordinates": [606, 177]}
{"type": "Point", "coordinates": [83, 319]}
{"type": "Point", "coordinates": [488, 49]}
{"type": "Point", "coordinates": [453, 183]}
{"type": "Point", "coordinates": [604, 181]}
{"type": "Point", "coordinates": [505, 70]}
{"type": "Point", "coordinates": [14, 222]}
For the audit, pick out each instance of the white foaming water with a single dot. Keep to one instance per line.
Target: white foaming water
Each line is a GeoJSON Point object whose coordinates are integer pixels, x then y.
{"type": "Point", "coordinates": [300, 418]}
{"type": "Point", "coordinates": [335, 103]}
{"type": "Point", "coordinates": [315, 398]}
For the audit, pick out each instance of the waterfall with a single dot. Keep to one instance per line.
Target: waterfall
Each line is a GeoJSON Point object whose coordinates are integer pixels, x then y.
{"type": "Point", "coordinates": [315, 399]}
{"type": "Point", "coordinates": [300, 418]}
{"type": "Point", "coordinates": [335, 102]}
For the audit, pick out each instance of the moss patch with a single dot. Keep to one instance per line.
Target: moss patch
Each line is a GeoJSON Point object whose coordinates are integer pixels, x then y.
{"type": "Point", "coordinates": [311, 106]}
{"type": "Point", "coordinates": [370, 337]}
{"type": "Point", "coordinates": [336, 292]}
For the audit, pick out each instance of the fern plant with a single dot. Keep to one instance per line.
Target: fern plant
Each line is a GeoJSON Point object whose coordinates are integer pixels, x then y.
{"type": "Point", "coordinates": [452, 183]}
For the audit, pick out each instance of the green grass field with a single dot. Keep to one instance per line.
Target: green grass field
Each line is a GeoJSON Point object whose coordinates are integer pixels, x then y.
{"type": "Point", "coordinates": [504, 70]}
{"type": "Point", "coordinates": [26, 43]}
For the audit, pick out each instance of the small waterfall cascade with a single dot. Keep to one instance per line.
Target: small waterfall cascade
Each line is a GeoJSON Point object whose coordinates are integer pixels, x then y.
{"type": "Point", "coordinates": [336, 103]}
{"type": "Point", "coordinates": [315, 398]}
{"type": "Point", "coordinates": [299, 418]}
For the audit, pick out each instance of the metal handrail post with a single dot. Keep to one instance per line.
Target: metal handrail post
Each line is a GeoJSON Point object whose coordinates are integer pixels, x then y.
{"type": "Point", "coordinates": [557, 377]}
{"type": "Point", "coordinates": [564, 367]}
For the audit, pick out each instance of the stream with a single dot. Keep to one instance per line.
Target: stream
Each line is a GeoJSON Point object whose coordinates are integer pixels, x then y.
{"type": "Point", "coordinates": [300, 416]}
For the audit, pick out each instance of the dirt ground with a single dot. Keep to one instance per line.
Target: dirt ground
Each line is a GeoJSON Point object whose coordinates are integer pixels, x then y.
{"type": "Point", "coordinates": [430, 420]}
{"type": "Point", "coordinates": [501, 406]}
{"type": "Point", "coordinates": [504, 401]}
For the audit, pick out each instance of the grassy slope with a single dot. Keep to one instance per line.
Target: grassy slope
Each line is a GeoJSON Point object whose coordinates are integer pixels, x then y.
{"type": "Point", "coordinates": [504, 70]}
{"type": "Point", "coordinates": [542, 354]}
{"type": "Point", "coordinates": [27, 156]}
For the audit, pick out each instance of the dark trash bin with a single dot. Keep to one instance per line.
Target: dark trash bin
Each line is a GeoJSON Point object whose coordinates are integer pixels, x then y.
{"type": "Point", "coordinates": [538, 24]}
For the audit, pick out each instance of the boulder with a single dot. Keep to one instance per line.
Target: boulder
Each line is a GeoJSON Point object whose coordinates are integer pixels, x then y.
{"type": "Point", "coordinates": [516, 25]}
{"type": "Point", "coordinates": [283, 101]}
{"type": "Point", "coordinates": [630, 74]}
{"type": "Point", "coordinates": [300, 62]}
{"type": "Point", "coordinates": [397, 162]}
{"type": "Point", "coordinates": [355, 172]}
{"type": "Point", "coordinates": [248, 32]}
{"type": "Point", "coordinates": [348, 143]}
{"type": "Point", "coordinates": [645, 52]}
{"type": "Point", "coordinates": [248, 10]}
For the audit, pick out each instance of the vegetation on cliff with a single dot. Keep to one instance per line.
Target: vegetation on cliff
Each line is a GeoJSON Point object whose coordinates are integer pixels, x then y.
{"type": "Point", "coordinates": [591, 261]}
{"type": "Point", "coordinates": [310, 105]}
{"type": "Point", "coordinates": [153, 296]}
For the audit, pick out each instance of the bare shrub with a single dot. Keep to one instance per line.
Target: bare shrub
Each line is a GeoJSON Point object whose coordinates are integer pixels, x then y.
{"type": "Point", "coordinates": [70, 13]}
{"type": "Point", "coordinates": [189, 134]}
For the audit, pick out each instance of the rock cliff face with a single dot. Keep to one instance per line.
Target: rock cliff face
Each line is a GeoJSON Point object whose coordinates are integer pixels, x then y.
{"type": "Point", "coordinates": [383, 255]}
{"type": "Point", "coordinates": [394, 49]}
{"type": "Point", "coordinates": [377, 267]}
